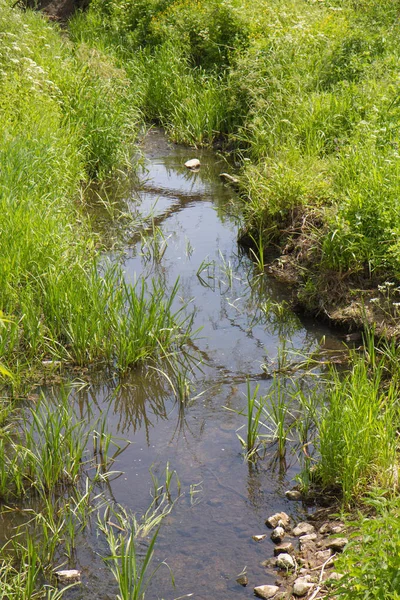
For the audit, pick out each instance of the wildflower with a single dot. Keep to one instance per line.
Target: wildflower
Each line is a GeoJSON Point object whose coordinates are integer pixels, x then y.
{"type": "Point", "coordinates": [374, 300]}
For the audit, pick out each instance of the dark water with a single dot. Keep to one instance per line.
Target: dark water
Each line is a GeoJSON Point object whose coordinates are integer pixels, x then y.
{"type": "Point", "coordinates": [206, 539]}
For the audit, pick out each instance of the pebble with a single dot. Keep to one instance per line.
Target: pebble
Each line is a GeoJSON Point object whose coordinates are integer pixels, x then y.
{"type": "Point", "coordinates": [266, 591]}
{"type": "Point", "coordinates": [259, 538]}
{"type": "Point", "coordinates": [243, 580]}
{"type": "Point", "coordinates": [334, 576]}
{"type": "Point", "coordinates": [277, 535]}
{"type": "Point", "coordinates": [68, 575]}
{"type": "Point", "coordinates": [281, 519]}
{"type": "Point", "coordinates": [303, 529]}
{"type": "Point", "coordinates": [285, 561]}
{"type": "Point", "coordinates": [337, 544]}
{"type": "Point", "coordinates": [302, 586]}
{"type": "Point", "coordinates": [293, 495]}
{"type": "Point", "coordinates": [331, 528]}
{"type": "Point", "coordinates": [193, 163]}
{"type": "Point", "coordinates": [286, 548]}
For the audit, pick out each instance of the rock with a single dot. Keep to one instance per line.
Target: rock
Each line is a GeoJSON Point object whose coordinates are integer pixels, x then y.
{"type": "Point", "coordinates": [302, 586]}
{"type": "Point", "coordinates": [259, 538]}
{"type": "Point", "coordinates": [266, 591]}
{"type": "Point", "coordinates": [331, 527]}
{"type": "Point", "coordinates": [285, 561]}
{"type": "Point", "coordinates": [284, 549]}
{"type": "Point", "coordinates": [229, 179]}
{"type": "Point", "coordinates": [68, 576]}
{"type": "Point", "coordinates": [293, 495]}
{"type": "Point", "coordinates": [243, 580]}
{"type": "Point", "coordinates": [270, 562]}
{"type": "Point", "coordinates": [322, 555]}
{"type": "Point", "coordinates": [194, 163]}
{"type": "Point", "coordinates": [334, 576]}
{"type": "Point", "coordinates": [337, 544]}
{"type": "Point", "coordinates": [309, 537]}
{"type": "Point", "coordinates": [280, 519]}
{"type": "Point", "coordinates": [277, 535]}
{"type": "Point", "coordinates": [303, 529]}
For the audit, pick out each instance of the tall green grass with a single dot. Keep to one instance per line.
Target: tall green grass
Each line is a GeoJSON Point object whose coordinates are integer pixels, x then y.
{"type": "Point", "coordinates": [306, 91]}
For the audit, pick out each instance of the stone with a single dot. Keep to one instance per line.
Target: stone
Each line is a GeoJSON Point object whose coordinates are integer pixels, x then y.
{"type": "Point", "coordinates": [229, 179]}
{"type": "Point", "coordinates": [302, 586]}
{"type": "Point", "coordinates": [303, 529]}
{"type": "Point", "coordinates": [193, 163]}
{"type": "Point", "coordinates": [293, 495]}
{"type": "Point", "coordinates": [277, 535]}
{"type": "Point", "coordinates": [270, 562]}
{"type": "Point", "coordinates": [243, 580]}
{"type": "Point", "coordinates": [68, 576]}
{"type": "Point", "coordinates": [337, 544]}
{"type": "Point", "coordinates": [309, 537]}
{"type": "Point", "coordinates": [259, 538]}
{"type": "Point", "coordinates": [323, 555]}
{"type": "Point", "coordinates": [266, 591]}
{"type": "Point", "coordinates": [331, 527]}
{"type": "Point", "coordinates": [286, 548]}
{"type": "Point", "coordinates": [285, 561]}
{"type": "Point", "coordinates": [281, 519]}
{"type": "Point", "coordinates": [334, 576]}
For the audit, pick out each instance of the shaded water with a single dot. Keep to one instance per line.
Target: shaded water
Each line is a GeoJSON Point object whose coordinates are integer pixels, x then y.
{"type": "Point", "coordinates": [206, 540]}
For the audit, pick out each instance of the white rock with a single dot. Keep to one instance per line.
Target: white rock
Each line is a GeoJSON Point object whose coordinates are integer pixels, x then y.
{"type": "Point", "coordinates": [193, 163]}
{"type": "Point", "coordinates": [68, 575]}
{"type": "Point", "coordinates": [285, 561]}
{"type": "Point", "coordinates": [309, 537]}
{"type": "Point", "coordinates": [334, 576]}
{"type": "Point", "coordinates": [266, 591]}
{"type": "Point", "coordinates": [259, 538]}
{"type": "Point", "coordinates": [281, 519]}
{"type": "Point", "coordinates": [302, 586]}
{"type": "Point", "coordinates": [277, 535]}
{"type": "Point", "coordinates": [303, 529]}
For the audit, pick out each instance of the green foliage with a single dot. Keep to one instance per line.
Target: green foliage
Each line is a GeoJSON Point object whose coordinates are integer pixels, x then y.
{"type": "Point", "coordinates": [371, 561]}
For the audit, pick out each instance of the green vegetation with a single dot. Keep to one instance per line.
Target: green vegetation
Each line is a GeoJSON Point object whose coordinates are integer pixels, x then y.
{"type": "Point", "coordinates": [68, 113]}
{"type": "Point", "coordinates": [305, 91]}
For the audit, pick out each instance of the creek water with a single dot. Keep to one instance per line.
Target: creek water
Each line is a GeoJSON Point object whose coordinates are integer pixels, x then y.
{"type": "Point", "coordinates": [207, 538]}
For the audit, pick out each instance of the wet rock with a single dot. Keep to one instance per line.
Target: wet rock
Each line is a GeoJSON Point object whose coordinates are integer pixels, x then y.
{"type": "Point", "coordinates": [243, 580]}
{"type": "Point", "coordinates": [68, 576]}
{"type": "Point", "coordinates": [337, 544]}
{"type": "Point", "coordinates": [229, 179]}
{"type": "Point", "coordinates": [286, 548]}
{"type": "Point", "coordinates": [270, 562]}
{"type": "Point", "coordinates": [266, 591]}
{"type": "Point", "coordinates": [303, 529]}
{"type": "Point", "coordinates": [192, 164]}
{"type": "Point", "coordinates": [278, 534]}
{"type": "Point", "coordinates": [285, 561]}
{"type": "Point", "coordinates": [259, 538]}
{"type": "Point", "coordinates": [281, 519]}
{"type": "Point", "coordinates": [302, 586]}
{"type": "Point", "coordinates": [293, 495]}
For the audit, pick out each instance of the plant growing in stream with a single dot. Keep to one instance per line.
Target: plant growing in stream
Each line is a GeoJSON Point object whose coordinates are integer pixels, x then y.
{"type": "Point", "coordinates": [130, 568]}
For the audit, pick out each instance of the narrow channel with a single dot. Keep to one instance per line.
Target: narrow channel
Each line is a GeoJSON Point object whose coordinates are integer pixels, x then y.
{"type": "Point", "coordinates": [207, 538]}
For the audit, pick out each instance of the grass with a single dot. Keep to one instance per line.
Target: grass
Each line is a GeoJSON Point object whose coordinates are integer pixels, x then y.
{"type": "Point", "coordinates": [305, 93]}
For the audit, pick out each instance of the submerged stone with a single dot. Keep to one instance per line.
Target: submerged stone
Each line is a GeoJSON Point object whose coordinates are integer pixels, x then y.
{"type": "Point", "coordinates": [68, 575]}
{"type": "Point", "coordinates": [243, 580]}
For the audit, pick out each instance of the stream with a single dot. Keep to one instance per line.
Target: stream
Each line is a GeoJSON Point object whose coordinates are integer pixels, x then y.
{"type": "Point", "coordinates": [207, 538]}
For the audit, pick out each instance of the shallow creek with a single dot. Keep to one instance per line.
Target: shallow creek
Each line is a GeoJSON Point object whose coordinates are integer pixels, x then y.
{"type": "Point", "coordinates": [206, 540]}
